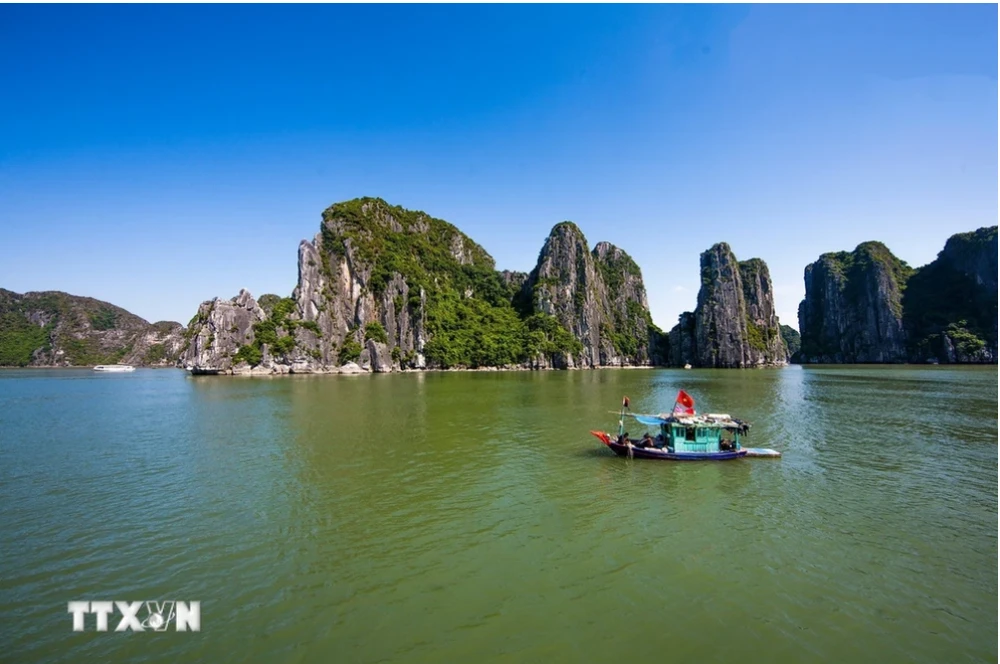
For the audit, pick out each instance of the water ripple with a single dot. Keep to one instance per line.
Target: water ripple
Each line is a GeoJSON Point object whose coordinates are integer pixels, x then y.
{"type": "Point", "coordinates": [448, 517]}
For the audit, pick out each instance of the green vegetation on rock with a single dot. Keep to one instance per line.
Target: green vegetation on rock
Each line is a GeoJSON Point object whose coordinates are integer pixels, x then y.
{"type": "Point", "coordinates": [349, 351]}
{"type": "Point", "coordinates": [55, 328]}
{"type": "Point", "coordinates": [968, 343]}
{"type": "Point", "coordinates": [614, 267]}
{"type": "Point", "coordinates": [394, 240]}
{"type": "Point", "coordinates": [855, 265]}
{"type": "Point", "coordinates": [755, 336]}
{"type": "Point", "coordinates": [312, 326]}
{"type": "Point", "coordinates": [87, 351]}
{"type": "Point", "coordinates": [375, 332]}
{"type": "Point", "coordinates": [267, 302]}
{"type": "Point", "coordinates": [942, 300]}
{"type": "Point", "coordinates": [792, 339]}
{"type": "Point", "coordinates": [545, 336]}
{"type": "Point", "coordinates": [269, 332]}
{"type": "Point", "coordinates": [19, 339]}
{"type": "Point", "coordinates": [155, 354]}
{"type": "Point", "coordinates": [470, 332]}
{"type": "Point", "coordinates": [104, 318]}
{"type": "Point", "coordinates": [470, 318]}
{"type": "Point", "coordinates": [284, 345]}
{"type": "Point", "coordinates": [250, 354]}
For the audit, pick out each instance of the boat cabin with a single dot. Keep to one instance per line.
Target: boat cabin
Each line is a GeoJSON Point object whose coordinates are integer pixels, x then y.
{"type": "Point", "coordinates": [699, 435]}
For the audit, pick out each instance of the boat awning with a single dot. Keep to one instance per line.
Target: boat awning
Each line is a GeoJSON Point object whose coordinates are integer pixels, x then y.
{"type": "Point", "coordinates": [719, 421]}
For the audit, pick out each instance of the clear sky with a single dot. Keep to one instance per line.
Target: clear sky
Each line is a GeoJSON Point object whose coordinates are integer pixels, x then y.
{"type": "Point", "coordinates": [158, 156]}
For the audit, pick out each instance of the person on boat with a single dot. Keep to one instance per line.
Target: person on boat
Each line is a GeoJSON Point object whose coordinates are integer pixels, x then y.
{"type": "Point", "coordinates": [647, 440]}
{"type": "Point", "coordinates": [623, 439]}
{"type": "Point", "coordinates": [725, 444]}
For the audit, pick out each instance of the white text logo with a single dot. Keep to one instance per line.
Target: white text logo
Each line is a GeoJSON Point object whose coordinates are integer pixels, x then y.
{"type": "Point", "coordinates": [138, 616]}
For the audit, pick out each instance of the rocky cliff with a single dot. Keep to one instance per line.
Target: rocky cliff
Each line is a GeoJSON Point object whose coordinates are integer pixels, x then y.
{"type": "Point", "coordinates": [765, 344]}
{"type": "Point", "coordinates": [950, 305]}
{"type": "Point", "coordinates": [734, 324]}
{"type": "Point", "coordinates": [597, 295]}
{"type": "Point", "coordinates": [391, 289]}
{"type": "Point", "coordinates": [682, 344]}
{"type": "Point", "coordinates": [852, 311]}
{"type": "Point", "coordinates": [221, 330]}
{"type": "Point", "coordinates": [869, 306]}
{"type": "Point", "coordinates": [53, 328]}
{"type": "Point", "coordinates": [628, 325]}
{"type": "Point", "coordinates": [793, 340]}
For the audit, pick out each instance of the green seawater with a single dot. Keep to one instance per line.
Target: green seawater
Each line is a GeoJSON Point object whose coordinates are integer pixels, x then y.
{"type": "Point", "coordinates": [470, 517]}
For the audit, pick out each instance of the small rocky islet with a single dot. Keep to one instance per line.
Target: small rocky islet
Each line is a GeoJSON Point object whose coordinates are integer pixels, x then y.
{"type": "Point", "coordinates": [388, 289]}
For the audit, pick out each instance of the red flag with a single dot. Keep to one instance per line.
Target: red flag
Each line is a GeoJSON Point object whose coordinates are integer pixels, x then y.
{"type": "Point", "coordinates": [625, 402]}
{"type": "Point", "coordinates": [603, 437]}
{"type": "Point", "coordinates": [684, 404]}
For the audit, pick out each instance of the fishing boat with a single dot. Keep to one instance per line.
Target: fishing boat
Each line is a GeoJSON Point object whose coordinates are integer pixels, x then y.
{"type": "Point", "coordinates": [683, 435]}
{"type": "Point", "coordinates": [114, 367]}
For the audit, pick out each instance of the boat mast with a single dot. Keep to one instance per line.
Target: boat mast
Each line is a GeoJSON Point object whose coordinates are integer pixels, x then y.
{"type": "Point", "coordinates": [621, 417]}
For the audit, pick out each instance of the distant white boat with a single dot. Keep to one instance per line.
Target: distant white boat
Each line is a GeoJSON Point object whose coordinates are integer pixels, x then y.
{"type": "Point", "coordinates": [114, 367]}
{"type": "Point", "coordinates": [687, 366]}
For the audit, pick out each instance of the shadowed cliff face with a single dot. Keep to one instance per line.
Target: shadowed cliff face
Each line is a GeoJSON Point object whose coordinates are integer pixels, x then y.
{"type": "Point", "coordinates": [53, 328]}
{"type": "Point", "coordinates": [950, 305]}
{"type": "Point", "coordinates": [852, 311]}
{"type": "Point", "coordinates": [682, 340]}
{"type": "Point", "coordinates": [974, 255]}
{"type": "Point", "coordinates": [390, 288]}
{"type": "Point", "coordinates": [793, 340]}
{"type": "Point", "coordinates": [734, 324]}
{"type": "Point", "coordinates": [868, 306]}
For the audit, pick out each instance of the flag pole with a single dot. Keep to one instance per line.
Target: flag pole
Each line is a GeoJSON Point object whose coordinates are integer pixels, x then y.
{"type": "Point", "coordinates": [621, 417]}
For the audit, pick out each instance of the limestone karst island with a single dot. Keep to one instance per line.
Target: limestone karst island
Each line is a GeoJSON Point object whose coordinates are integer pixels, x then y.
{"type": "Point", "coordinates": [450, 333]}
{"type": "Point", "coordinates": [381, 288]}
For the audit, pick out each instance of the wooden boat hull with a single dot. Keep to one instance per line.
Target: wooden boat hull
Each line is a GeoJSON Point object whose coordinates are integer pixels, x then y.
{"type": "Point", "coordinates": [656, 453]}
{"type": "Point", "coordinates": [664, 455]}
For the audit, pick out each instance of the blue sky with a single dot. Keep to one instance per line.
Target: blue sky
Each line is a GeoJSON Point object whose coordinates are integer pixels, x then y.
{"type": "Point", "coordinates": [158, 156]}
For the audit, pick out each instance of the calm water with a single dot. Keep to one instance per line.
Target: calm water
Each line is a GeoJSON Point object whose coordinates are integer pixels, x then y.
{"type": "Point", "coordinates": [470, 517]}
